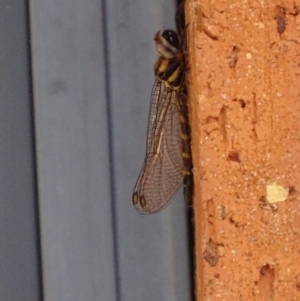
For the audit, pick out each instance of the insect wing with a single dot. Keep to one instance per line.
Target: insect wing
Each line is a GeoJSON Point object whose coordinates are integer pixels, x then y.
{"type": "Point", "coordinates": [161, 174]}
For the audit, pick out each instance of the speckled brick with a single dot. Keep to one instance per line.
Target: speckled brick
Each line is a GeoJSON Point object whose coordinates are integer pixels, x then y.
{"type": "Point", "coordinates": [244, 85]}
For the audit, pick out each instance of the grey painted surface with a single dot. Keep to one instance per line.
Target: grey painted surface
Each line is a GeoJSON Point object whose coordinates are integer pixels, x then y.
{"type": "Point", "coordinates": [19, 276]}
{"type": "Point", "coordinates": [92, 65]}
{"type": "Point", "coordinates": [72, 150]}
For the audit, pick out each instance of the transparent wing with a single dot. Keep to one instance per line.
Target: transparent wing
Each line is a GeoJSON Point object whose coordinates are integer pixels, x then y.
{"type": "Point", "coordinates": [161, 173]}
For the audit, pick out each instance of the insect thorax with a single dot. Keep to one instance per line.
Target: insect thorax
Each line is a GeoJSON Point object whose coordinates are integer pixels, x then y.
{"type": "Point", "coordinates": [169, 71]}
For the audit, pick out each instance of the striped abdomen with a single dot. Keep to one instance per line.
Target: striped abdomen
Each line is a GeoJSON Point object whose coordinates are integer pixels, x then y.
{"type": "Point", "coordinates": [188, 180]}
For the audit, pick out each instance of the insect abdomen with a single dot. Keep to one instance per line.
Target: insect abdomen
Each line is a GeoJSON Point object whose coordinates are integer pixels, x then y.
{"type": "Point", "coordinates": [188, 181]}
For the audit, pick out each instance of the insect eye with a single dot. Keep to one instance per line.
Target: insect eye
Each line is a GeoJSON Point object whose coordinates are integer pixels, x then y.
{"type": "Point", "coordinates": [171, 37]}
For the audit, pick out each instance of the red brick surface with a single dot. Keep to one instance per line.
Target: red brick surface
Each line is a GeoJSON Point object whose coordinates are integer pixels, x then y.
{"type": "Point", "coordinates": [244, 79]}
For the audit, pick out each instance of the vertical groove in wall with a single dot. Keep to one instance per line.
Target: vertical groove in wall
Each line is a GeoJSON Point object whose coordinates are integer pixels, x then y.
{"type": "Point", "coordinates": [110, 148]}
{"type": "Point", "coordinates": [34, 158]}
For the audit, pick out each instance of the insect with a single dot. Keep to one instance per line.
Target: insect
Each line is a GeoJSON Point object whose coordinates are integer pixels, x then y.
{"type": "Point", "coordinates": [168, 156]}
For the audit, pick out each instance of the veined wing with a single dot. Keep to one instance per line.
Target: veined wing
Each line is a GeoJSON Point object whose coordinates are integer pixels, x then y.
{"type": "Point", "coordinates": [162, 171]}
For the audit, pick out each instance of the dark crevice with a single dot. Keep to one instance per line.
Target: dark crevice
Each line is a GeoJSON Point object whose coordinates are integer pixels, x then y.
{"type": "Point", "coordinates": [181, 27]}
{"type": "Point", "coordinates": [192, 252]}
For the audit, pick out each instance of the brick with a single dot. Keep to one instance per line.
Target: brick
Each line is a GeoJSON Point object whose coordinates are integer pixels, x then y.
{"type": "Point", "coordinates": [244, 87]}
